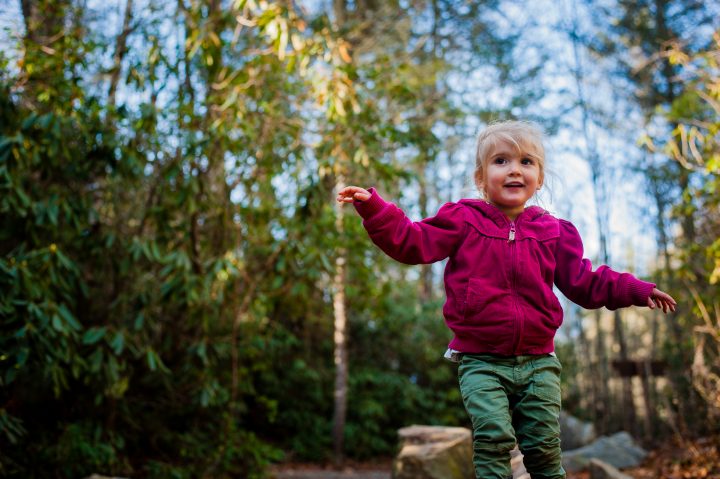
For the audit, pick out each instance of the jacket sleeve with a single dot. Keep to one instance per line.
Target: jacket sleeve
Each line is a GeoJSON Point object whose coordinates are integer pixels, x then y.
{"type": "Point", "coordinates": [590, 289]}
{"type": "Point", "coordinates": [427, 241]}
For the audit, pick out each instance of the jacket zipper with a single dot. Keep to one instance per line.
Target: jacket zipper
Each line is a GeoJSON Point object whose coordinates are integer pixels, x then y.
{"type": "Point", "coordinates": [513, 277]}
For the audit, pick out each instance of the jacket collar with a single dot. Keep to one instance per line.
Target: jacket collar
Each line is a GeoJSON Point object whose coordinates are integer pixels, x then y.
{"type": "Point", "coordinates": [493, 213]}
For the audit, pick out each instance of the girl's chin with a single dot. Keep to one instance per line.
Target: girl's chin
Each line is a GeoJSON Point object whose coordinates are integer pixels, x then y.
{"type": "Point", "coordinates": [514, 201]}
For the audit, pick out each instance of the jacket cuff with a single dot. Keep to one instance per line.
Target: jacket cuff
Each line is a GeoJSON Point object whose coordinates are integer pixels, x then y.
{"type": "Point", "coordinates": [370, 207]}
{"type": "Point", "coordinates": [640, 291]}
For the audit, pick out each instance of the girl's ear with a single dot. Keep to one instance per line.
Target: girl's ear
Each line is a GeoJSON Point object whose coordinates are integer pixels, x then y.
{"type": "Point", "coordinates": [479, 183]}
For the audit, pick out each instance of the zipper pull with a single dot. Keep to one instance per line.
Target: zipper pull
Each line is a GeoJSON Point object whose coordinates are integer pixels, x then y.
{"type": "Point", "coordinates": [511, 235]}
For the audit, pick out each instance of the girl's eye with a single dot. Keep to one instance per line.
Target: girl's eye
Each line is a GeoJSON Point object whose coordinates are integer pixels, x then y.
{"type": "Point", "coordinates": [499, 161]}
{"type": "Point", "coordinates": [527, 161]}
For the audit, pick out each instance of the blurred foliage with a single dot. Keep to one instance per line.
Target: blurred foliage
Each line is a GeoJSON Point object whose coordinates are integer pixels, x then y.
{"type": "Point", "coordinates": [692, 144]}
{"type": "Point", "coordinates": [695, 144]}
{"type": "Point", "coordinates": [666, 51]}
{"type": "Point", "coordinates": [164, 305]}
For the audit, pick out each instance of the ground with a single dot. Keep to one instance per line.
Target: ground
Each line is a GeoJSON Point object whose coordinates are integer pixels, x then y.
{"type": "Point", "coordinates": [697, 459]}
{"type": "Point", "coordinates": [379, 469]}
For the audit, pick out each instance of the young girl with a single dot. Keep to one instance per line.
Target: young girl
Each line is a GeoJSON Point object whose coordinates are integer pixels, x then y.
{"type": "Point", "coordinates": [504, 258]}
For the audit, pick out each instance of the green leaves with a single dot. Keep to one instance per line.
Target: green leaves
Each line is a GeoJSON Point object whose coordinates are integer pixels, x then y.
{"type": "Point", "coordinates": [117, 343]}
{"type": "Point", "coordinates": [68, 318]}
{"type": "Point", "coordinates": [154, 362]}
{"type": "Point", "coordinates": [11, 427]}
{"type": "Point", "coordinates": [93, 335]}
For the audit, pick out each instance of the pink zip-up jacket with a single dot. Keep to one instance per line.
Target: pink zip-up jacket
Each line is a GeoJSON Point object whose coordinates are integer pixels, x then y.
{"type": "Point", "coordinates": [500, 274]}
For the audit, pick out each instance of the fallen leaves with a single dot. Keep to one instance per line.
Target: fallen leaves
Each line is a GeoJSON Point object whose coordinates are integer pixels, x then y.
{"type": "Point", "coordinates": [687, 459]}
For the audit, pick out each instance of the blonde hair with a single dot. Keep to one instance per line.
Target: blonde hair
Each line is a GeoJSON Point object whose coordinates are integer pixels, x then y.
{"type": "Point", "coordinates": [526, 137]}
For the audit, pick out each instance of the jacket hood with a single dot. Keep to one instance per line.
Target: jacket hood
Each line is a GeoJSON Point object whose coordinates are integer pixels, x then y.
{"type": "Point", "coordinates": [493, 213]}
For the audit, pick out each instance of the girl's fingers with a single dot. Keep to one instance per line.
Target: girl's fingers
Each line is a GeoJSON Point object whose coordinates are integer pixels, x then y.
{"type": "Point", "coordinates": [667, 297]}
{"type": "Point", "coordinates": [671, 307]}
{"type": "Point", "coordinates": [352, 196]}
{"type": "Point", "coordinates": [662, 300]}
{"type": "Point", "coordinates": [352, 189]}
{"type": "Point", "coordinates": [665, 304]}
{"type": "Point", "coordinates": [350, 193]}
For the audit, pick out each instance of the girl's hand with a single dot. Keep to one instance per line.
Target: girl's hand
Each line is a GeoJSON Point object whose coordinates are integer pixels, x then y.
{"type": "Point", "coordinates": [351, 193]}
{"type": "Point", "coordinates": [658, 299]}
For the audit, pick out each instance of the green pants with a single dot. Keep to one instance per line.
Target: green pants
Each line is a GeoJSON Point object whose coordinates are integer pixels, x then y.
{"type": "Point", "coordinates": [513, 400]}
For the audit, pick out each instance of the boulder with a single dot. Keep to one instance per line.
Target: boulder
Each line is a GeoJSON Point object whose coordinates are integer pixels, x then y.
{"type": "Point", "coordinates": [603, 470]}
{"type": "Point", "coordinates": [437, 452]}
{"type": "Point", "coordinates": [575, 433]}
{"type": "Point", "coordinates": [618, 450]}
{"type": "Point", "coordinates": [434, 452]}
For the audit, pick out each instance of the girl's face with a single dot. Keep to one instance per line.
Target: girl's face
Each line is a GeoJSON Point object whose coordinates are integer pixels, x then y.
{"type": "Point", "coordinates": [511, 178]}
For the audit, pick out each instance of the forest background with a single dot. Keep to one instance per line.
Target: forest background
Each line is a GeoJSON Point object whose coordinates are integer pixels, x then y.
{"type": "Point", "coordinates": [179, 294]}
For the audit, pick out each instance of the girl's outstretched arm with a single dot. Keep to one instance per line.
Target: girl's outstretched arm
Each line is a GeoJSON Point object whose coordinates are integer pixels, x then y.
{"type": "Point", "coordinates": [594, 288]}
{"type": "Point", "coordinates": [410, 242]}
{"type": "Point", "coordinates": [660, 299]}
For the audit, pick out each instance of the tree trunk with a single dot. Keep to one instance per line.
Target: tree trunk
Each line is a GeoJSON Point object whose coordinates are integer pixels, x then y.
{"type": "Point", "coordinates": [216, 175]}
{"type": "Point", "coordinates": [428, 156]}
{"type": "Point", "coordinates": [600, 378]}
{"type": "Point", "coordinates": [44, 30]}
{"type": "Point", "coordinates": [120, 51]}
{"type": "Point", "coordinates": [668, 74]}
{"type": "Point", "coordinates": [687, 399]}
{"type": "Point", "coordinates": [628, 403]}
{"type": "Point", "coordinates": [340, 11]}
{"type": "Point", "coordinates": [44, 20]}
{"type": "Point", "coordinates": [601, 197]}
{"type": "Point", "coordinates": [600, 371]}
{"type": "Point", "coordinates": [340, 395]}
{"type": "Point", "coordinates": [648, 388]}
{"type": "Point", "coordinates": [340, 355]}
{"type": "Point", "coordinates": [586, 380]}
{"type": "Point", "coordinates": [426, 283]}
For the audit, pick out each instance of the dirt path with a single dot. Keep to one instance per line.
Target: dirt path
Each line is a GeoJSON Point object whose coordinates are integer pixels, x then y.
{"type": "Point", "coordinates": [310, 472]}
{"type": "Point", "coordinates": [359, 474]}
{"type": "Point", "coordinates": [323, 474]}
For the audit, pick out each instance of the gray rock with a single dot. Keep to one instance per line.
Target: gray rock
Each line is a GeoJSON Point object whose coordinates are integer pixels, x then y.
{"type": "Point", "coordinates": [603, 470]}
{"type": "Point", "coordinates": [434, 452]}
{"type": "Point", "coordinates": [618, 450]}
{"type": "Point", "coordinates": [575, 433]}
